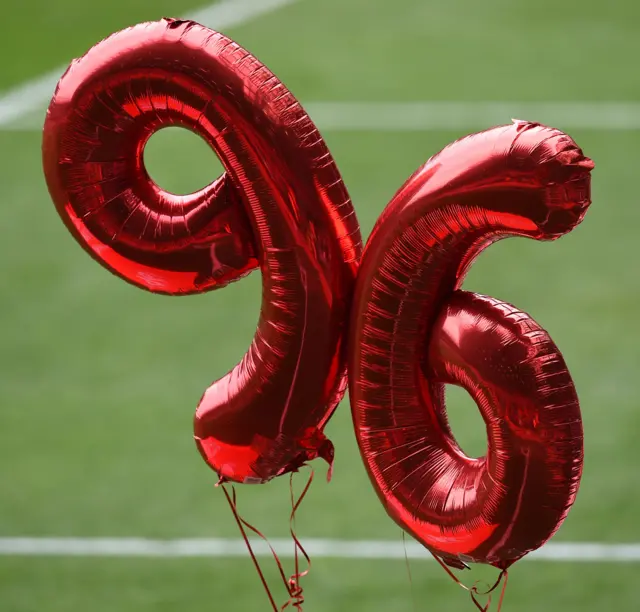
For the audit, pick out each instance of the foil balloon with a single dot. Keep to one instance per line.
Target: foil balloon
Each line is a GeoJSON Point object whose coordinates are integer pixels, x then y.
{"type": "Point", "coordinates": [280, 205]}
{"type": "Point", "coordinates": [413, 330]}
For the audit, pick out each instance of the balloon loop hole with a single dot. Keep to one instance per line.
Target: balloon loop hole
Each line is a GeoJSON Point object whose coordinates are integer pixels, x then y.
{"type": "Point", "coordinates": [179, 161]}
{"type": "Point", "coordinates": [466, 422]}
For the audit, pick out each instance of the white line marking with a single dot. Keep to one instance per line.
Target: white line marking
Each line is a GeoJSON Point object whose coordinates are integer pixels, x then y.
{"type": "Point", "coordinates": [231, 13]}
{"type": "Point", "coordinates": [423, 116]}
{"type": "Point", "coordinates": [35, 94]}
{"type": "Point", "coordinates": [429, 116]}
{"type": "Point", "coordinates": [582, 552]}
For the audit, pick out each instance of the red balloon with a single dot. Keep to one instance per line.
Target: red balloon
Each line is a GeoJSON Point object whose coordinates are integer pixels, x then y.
{"type": "Point", "coordinates": [413, 330]}
{"type": "Point", "coordinates": [281, 204]}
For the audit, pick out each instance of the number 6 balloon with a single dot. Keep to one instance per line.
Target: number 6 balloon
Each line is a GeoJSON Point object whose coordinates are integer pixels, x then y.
{"type": "Point", "coordinates": [281, 203]}
{"type": "Point", "coordinates": [413, 330]}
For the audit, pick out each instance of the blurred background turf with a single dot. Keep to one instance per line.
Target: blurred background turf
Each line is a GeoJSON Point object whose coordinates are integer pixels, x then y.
{"type": "Point", "coordinates": [99, 380]}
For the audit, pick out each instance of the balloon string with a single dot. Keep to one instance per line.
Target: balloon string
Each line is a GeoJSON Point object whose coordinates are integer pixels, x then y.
{"type": "Point", "coordinates": [293, 584]}
{"type": "Point", "coordinates": [504, 588]}
{"type": "Point", "coordinates": [406, 558]}
{"type": "Point", "coordinates": [241, 523]}
{"type": "Point", "coordinates": [473, 590]}
{"type": "Point", "coordinates": [296, 598]}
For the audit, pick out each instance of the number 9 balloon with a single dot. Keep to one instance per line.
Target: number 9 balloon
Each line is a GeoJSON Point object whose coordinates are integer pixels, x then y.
{"type": "Point", "coordinates": [413, 330]}
{"type": "Point", "coordinates": [281, 204]}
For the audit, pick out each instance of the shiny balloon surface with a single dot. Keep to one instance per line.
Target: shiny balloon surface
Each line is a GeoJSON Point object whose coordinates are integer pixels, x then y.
{"type": "Point", "coordinates": [280, 205]}
{"type": "Point", "coordinates": [413, 331]}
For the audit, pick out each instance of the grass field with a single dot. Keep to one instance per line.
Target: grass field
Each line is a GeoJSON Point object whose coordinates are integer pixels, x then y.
{"type": "Point", "coordinates": [99, 380]}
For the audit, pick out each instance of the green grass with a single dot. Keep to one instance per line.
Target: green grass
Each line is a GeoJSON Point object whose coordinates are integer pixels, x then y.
{"type": "Point", "coordinates": [340, 586]}
{"type": "Point", "coordinates": [99, 380]}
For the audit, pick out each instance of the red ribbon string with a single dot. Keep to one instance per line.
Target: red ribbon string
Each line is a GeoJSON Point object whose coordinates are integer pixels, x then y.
{"type": "Point", "coordinates": [292, 584]}
{"type": "Point", "coordinates": [241, 522]}
{"type": "Point", "coordinates": [406, 558]}
{"type": "Point", "coordinates": [473, 590]}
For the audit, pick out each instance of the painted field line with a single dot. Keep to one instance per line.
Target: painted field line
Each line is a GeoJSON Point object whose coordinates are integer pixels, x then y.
{"type": "Point", "coordinates": [427, 116]}
{"type": "Point", "coordinates": [35, 94]}
{"type": "Point", "coordinates": [580, 552]}
{"type": "Point", "coordinates": [430, 116]}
